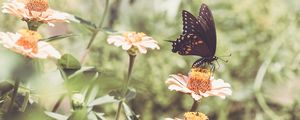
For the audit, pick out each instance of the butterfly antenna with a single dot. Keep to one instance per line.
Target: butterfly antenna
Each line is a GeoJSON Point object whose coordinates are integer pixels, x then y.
{"type": "Point", "coordinates": [226, 55]}
{"type": "Point", "coordinates": [169, 41]}
{"type": "Point", "coordinates": [226, 61]}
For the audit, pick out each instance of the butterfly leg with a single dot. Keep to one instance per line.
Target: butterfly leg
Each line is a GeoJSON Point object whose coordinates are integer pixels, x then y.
{"type": "Point", "coordinates": [212, 67]}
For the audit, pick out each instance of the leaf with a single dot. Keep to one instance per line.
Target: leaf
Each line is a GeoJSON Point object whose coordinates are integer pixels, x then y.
{"type": "Point", "coordinates": [130, 94]}
{"type": "Point", "coordinates": [5, 87]}
{"type": "Point", "coordinates": [57, 37]}
{"type": "Point", "coordinates": [69, 64]}
{"type": "Point", "coordinates": [82, 78]}
{"type": "Point", "coordinates": [103, 100]}
{"type": "Point", "coordinates": [79, 115]}
{"type": "Point", "coordinates": [109, 31]}
{"type": "Point", "coordinates": [100, 116]}
{"type": "Point", "coordinates": [117, 94]}
{"type": "Point", "coordinates": [56, 116]}
{"type": "Point", "coordinates": [130, 115]}
{"type": "Point", "coordinates": [85, 22]}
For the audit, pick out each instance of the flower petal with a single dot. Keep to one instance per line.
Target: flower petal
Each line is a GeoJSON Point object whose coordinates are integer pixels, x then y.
{"type": "Point", "coordinates": [46, 50]}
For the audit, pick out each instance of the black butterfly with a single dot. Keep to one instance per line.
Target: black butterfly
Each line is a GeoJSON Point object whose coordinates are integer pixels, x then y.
{"type": "Point", "coordinates": [198, 37]}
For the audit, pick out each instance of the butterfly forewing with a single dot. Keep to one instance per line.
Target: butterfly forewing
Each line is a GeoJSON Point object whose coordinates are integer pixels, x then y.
{"type": "Point", "coordinates": [207, 22]}
{"type": "Point", "coordinates": [191, 25]}
{"type": "Point", "coordinates": [198, 36]}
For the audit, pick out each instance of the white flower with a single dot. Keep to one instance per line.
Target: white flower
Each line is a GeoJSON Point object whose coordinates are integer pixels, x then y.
{"type": "Point", "coordinates": [199, 84]}
{"type": "Point", "coordinates": [27, 43]}
{"type": "Point", "coordinates": [136, 42]}
{"type": "Point", "coordinates": [36, 10]}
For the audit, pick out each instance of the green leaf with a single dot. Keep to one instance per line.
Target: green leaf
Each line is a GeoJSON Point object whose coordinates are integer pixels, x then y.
{"type": "Point", "coordinates": [130, 94]}
{"type": "Point", "coordinates": [117, 94]}
{"type": "Point", "coordinates": [81, 78]}
{"type": "Point", "coordinates": [69, 64]}
{"type": "Point", "coordinates": [100, 115]}
{"type": "Point", "coordinates": [5, 87]}
{"type": "Point", "coordinates": [56, 116]}
{"type": "Point", "coordinates": [130, 115]}
{"type": "Point", "coordinates": [57, 37]}
{"type": "Point", "coordinates": [103, 100]}
{"type": "Point", "coordinates": [79, 115]}
{"type": "Point", "coordinates": [85, 22]}
{"type": "Point", "coordinates": [109, 31]}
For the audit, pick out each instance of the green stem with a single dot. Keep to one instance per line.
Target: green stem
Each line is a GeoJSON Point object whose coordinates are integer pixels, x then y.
{"type": "Point", "coordinates": [130, 66]}
{"type": "Point", "coordinates": [57, 104]}
{"type": "Point", "coordinates": [260, 78]}
{"type": "Point", "coordinates": [119, 110]}
{"type": "Point", "coordinates": [95, 32]}
{"type": "Point", "coordinates": [131, 62]}
{"type": "Point", "coordinates": [194, 106]}
{"type": "Point", "coordinates": [14, 95]}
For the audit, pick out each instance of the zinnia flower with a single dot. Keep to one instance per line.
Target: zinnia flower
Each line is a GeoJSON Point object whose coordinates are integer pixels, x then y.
{"type": "Point", "coordinates": [35, 10]}
{"type": "Point", "coordinates": [199, 83]}
{"type": "Point", "coordinates": [191, 116]}
{"type": "Point", "coordinates": [27, 43]}
{"type": "Point", "coordinates": [134, 42]}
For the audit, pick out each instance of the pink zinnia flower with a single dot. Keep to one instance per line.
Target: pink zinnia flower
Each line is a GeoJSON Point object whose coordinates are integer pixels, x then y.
{"type": "Point", "coordinates": [134, 42]}
{"type": "Point", "coordinates": [35, 10]}
{"type": "Point", "coordinates": [27, 43]}
{"type": "Point", "coordinates": [199, 83]}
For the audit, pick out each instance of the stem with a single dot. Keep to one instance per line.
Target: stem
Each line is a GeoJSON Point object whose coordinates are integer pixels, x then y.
{"type": "Point", "coordinates": [119, 110]}
{"type": "Point", "coordinates": [260, 78]}
{"type": "Point", "coordinates": [57, 104]}
{"type": "Point", "coordinates": [95, 32]}
{"type": "Point", "coordinates": [131, 62]}
{"type": "Point", "coordinates": [14, 95]}
{"type": "Point", "coordinates": [194, 106]}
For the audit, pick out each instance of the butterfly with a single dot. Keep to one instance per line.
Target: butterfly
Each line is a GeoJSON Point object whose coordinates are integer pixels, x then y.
{"type": "Point", "coordinates": [198, 37]}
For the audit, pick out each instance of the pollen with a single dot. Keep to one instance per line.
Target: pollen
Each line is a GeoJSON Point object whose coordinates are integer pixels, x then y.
{"type": "Point", "coordinates": [29, 40]}
{"type": "Point", "coordinates": [133, 37]}
{"type": "Point", "coordinates": [199, 80]}
{"type": "Point", "coordinates": [195, 116]}
{"type": "Point", "coordinates": [37, 5]}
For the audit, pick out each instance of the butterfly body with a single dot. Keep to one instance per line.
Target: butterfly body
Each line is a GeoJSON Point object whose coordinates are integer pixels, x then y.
{"type": "Point", "coordinates": [198, 37]}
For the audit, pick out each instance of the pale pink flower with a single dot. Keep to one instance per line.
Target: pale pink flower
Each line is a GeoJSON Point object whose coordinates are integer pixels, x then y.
{"type": "Point", "coordinates": [132, 41]}
{"type": "Point", "coordinates": [199, 83]}
{"type": "Point", "coordinates": [27, 43]}
{"type": "Point", "coordinates": [36, 10]}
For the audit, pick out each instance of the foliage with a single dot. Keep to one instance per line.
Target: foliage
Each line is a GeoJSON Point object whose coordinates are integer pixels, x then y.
{"type": "Point", "coordinates": [262, 37]}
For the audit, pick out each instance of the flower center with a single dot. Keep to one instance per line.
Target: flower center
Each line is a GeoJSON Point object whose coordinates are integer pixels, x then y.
{"type": "Point", "coordinates": [199, 80]}
{"type": "Point", "coordinates": [37, 5]}
{"type": "Point", "coordinates": [29, 40]}
{"type": "Point", "coordinates": [133, 36]}
{"type": "Point", "coordinates": [195, 116]}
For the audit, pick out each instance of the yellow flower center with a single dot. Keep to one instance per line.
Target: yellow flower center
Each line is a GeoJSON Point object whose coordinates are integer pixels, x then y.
{"type": "Point", "coordinates": [195, 116]}
{"type": "Point", "coordinates": [29, 40]}
{"type": "Point", "coordinates": [199, 80]}
{"type": "Point", "coordinates": [133, 36]}
{"type": "Point", "coordinates": [37, 5]}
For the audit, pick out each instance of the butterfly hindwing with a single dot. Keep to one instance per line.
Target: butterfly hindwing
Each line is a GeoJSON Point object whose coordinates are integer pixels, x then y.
{"type": "Point", "coordinates": [190, 44]}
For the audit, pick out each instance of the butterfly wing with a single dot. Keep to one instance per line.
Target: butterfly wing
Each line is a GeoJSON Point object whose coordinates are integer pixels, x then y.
{"type": "Point", "coordinates": [191, 25]}
{"type": "Point", "coordinates": [208, 25]}
{"type": "Point", "coordinates": [190, 44]}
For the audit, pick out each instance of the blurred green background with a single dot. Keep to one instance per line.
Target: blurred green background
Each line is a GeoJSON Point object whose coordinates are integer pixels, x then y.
{"type": "Point", "coordinates": [261, 35]}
